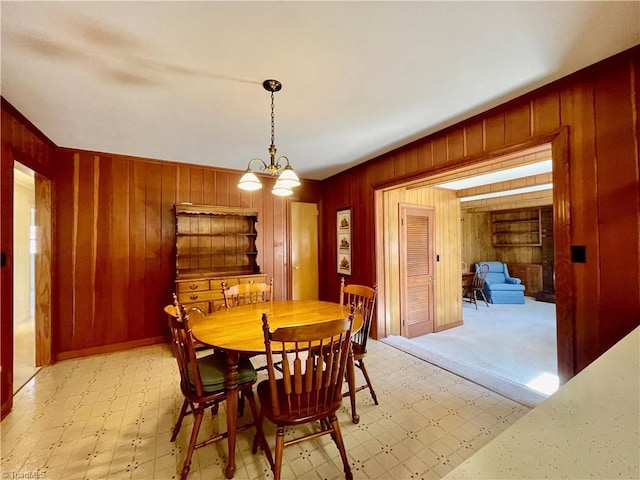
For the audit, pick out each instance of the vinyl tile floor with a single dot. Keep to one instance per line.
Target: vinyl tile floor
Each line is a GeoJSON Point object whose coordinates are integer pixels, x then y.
{"type": "Point", "coordinates": [111, 416]}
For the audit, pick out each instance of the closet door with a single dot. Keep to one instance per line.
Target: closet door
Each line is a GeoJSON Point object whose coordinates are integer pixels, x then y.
{"type": "Point", "coordinates": [417, 270]}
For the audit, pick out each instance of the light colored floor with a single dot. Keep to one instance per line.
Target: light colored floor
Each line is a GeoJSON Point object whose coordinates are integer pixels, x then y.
{"type": "Point", "coordinates": [511, 349]}
{"type": "Point", "coordinates": [24, 353]}
{"type": "Point", "coordinates": [110, 417]}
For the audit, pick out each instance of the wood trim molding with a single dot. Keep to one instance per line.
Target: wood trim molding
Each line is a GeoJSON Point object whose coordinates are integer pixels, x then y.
{"type": "Point", "coordinates": [28, 161]}
{"type": "Point", "coordinates": [564, 280]}
{"type": "Point", "coordinates": [114, 347]}
{"type": "Point", "coordinates": [442, 328]}
{"type": "Point", "coordinates": [470, 161]}
{"type": "Point", "coordinates": [44, 268]}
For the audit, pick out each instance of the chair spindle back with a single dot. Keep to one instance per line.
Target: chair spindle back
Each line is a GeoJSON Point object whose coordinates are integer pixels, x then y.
{"type": "Point", "coordinates": [364, 299]}
{"type": "Point", "coordinates": [182, 344]}
{"type": "Point", "coordinates": [313, 360]}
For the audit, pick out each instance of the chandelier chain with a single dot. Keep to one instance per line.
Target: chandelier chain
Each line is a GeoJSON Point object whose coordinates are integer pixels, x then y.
{"type": "Point", "coordinates": [273, 121]}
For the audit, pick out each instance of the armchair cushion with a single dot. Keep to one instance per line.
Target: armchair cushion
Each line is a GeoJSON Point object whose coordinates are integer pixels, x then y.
{"type": "Point", "coordinates": [499, 286]}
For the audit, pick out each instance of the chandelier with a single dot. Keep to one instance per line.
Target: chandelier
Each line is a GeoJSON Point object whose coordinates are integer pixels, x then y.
{"type": "Point", "coordinates": [287, 178]}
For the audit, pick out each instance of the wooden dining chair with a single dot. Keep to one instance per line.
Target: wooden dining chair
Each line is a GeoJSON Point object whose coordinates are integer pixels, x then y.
{"type": "Point", "coordinates": [203, 384]}
{"type": "Point", "coordinates": [245, 293]}
{"type": "Point", "coordinates": [476, 286]}
{"type": "Point", "coordinates": [364, 299]}
{"type": "Point", "coordinates": [314, 358]}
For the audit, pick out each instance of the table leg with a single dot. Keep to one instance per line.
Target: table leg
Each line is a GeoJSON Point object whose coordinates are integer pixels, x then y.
{"type": "Point", "coordinates": [232, 411]}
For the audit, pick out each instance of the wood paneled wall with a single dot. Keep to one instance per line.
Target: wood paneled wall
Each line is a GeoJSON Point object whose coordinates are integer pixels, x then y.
{"type": "Point", "coordinates": [476, 243]}
{"type": "Point", "coordinates": [116, 237]}
{"type": "Point", "coordinates": [591, 119]}
{"type": "Point", "coordinates": [22, 142]}
{"type": "Point", "coordinates": [448, 308]}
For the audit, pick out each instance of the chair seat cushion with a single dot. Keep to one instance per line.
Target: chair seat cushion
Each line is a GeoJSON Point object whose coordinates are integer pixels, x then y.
{"type": "Point", "coordinates": [504, 286]}
{"type": "Point", "coordinates": [213, 369]}
{"type": "Point", "coordinates": [306, 406]}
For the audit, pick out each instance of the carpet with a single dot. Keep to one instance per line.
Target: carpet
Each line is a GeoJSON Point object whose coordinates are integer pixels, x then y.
{"type": "Point", "coordinates": [506, 348]}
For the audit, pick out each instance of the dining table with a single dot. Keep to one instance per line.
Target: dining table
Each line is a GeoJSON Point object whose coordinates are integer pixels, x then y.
{"type": "Point", "coordinates": [237, 332]}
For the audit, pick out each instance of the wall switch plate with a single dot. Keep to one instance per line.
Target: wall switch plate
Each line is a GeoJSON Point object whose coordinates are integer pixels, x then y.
{"type": "Point", "coordinates": [578, 254]}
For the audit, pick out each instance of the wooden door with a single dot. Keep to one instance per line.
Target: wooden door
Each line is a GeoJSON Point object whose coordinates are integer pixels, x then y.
{"type": "Point", "coordinates": [417, 270]}
{"type": "Point", "coordinates": [304, 251]}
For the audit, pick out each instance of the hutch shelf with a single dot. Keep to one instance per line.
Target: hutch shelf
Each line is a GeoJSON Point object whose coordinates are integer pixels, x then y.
{"type": "Point", "coordinates": [214, 245]}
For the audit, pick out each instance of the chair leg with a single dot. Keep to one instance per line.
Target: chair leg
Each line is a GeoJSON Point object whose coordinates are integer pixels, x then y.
{"type": "Point", "coordinates": [183, 412]}
{"type": "Point", "coordinates": [241, 405]}
{"type": "Point", "coordinates": [258, 439]}
{"type": "Point", "coordinates": [484, 298]}
{"type": "Point", "coordinates": [262, 442]}
{"type": "Point", "coordinates": [277, 467]}
{"type": "Point", "coordinates": [351, 381]}
{"type": "Point", "coordinates": [366, 377]}
{"type": "Point", "coordinates": [337, 438]}
{"type": "Point", "coordinates": [197, 421]}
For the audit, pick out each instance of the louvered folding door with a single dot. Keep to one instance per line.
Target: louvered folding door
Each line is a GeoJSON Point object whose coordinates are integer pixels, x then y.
{"type": "Point", "coordinates": [417, 270]}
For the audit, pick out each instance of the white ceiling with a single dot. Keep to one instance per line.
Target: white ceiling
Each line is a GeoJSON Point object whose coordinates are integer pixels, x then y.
{"type": "Point", "coordinates": [182, 81]}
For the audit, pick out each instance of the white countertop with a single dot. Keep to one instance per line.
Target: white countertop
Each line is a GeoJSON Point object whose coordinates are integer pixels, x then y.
{"type": "Point", "coordinates": [588, 429]}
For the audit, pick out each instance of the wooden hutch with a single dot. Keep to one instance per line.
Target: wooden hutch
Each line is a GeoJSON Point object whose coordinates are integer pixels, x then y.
{"type": "Point", "coordinates": [214, 245]}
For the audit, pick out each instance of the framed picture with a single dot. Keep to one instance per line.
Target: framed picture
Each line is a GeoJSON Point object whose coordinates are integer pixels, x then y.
{"type": "Point", "coordinates": [343, 236]}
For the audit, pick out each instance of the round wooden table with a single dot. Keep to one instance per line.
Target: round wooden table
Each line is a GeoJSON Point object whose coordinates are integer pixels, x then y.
{"type": "Point", "coordinates": [238, 332]}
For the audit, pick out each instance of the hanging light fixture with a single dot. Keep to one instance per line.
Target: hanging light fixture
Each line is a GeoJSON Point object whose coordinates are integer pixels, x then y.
{"type": "Point", "coordinates": [287, 178]}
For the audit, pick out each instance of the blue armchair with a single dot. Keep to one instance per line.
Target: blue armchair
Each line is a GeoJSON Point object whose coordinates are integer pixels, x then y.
{"type": "Point", "coordinates": [499, 287]}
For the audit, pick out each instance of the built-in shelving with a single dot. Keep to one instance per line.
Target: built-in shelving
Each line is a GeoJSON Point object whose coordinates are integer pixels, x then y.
{"type": "Point", "coordinates": [517, 227]}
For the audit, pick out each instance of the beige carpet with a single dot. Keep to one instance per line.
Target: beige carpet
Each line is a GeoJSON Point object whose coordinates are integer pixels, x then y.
{"type": "Point", "coordinates": [510, 349]}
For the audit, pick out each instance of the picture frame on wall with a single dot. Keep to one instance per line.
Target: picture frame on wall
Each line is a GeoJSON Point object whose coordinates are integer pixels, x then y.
{"type": "Point", "coordinates": [343, 227]}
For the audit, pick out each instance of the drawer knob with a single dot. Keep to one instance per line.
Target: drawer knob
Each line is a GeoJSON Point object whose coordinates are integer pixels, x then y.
{"type": "Point", "coordinates": [193, 297]}
{"type": "Point", "coordinates": [193, 286]}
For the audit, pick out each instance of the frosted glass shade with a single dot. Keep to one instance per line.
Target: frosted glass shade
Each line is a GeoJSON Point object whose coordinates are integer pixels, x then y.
{"type": "Point", "coordinates": [288, 178]}
{"type": "Point", "coordinates": [249, 181]}
{"type": "Point", "coordinates": [281, 191]}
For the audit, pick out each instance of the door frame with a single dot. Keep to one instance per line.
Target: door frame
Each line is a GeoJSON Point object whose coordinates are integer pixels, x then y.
{"type": "Point", "coordinates": [564, 280]}
{"type": "Point", "coordinates": [43, 271]}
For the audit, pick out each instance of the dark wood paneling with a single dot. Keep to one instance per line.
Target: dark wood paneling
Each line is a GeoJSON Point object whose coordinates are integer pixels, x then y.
{"type": "Point", "coordinates": [137, 294]}
{"type": "Point", "coordinates": [592, 182]}
{"type": "Point", "coordinates": [439, 150]}
{"type": "Point", "coordinates": [120, 246]}
{"type": "Point", "coordinates": [411, 160]}
{"type": "Point", "coordinates": [517, 123]}
{"type": "Point", "coordinates": [123, 263]}
{"type": "Point", "coordinates": [545, 113]}
{"type": "Point", "coordinates": [494, 131]}
{"type": "Point", "coordinates": [399, 164]}
{"type": "Point", "coordinates": [425, 157]}
{"type": "Point", "coordinates": [455, 144]}
{"type": "Point", "coordinates": [577, 111]}
{"type": "Point", "coordinates": [618, 200]}
{"type": "Point", "coordinates": [474, 138]}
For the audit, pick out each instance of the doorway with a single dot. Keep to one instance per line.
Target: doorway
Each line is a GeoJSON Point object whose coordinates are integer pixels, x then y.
{"type": "Point", "coordinates": [475, 244]}
{"type": "Point", "coordinates": [304, 251]}
{"type": "Point", "coordinates": [24, 282]}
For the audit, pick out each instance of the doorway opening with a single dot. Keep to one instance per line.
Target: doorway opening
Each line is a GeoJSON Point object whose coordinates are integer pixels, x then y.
{"type": "Point", "coordinates": [24, 277]}
{"type": "Point", "coordinates": [514, 182]}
